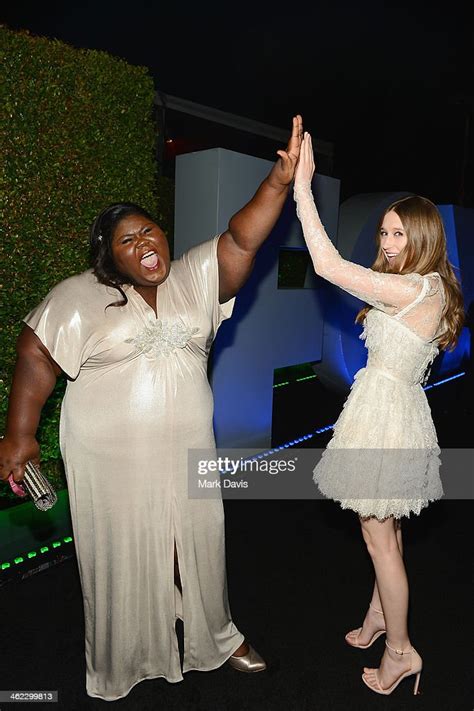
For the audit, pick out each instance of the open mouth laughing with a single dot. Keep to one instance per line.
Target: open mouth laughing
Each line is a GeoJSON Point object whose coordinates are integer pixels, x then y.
{"type": "Point", "coordinates": [150, 260]}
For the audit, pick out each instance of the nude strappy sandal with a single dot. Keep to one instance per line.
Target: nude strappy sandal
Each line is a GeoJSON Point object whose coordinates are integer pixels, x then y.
{"type": "Point", "coordinates": [416, 667]}
{"type": "Point", "coordinates": [375, 636]}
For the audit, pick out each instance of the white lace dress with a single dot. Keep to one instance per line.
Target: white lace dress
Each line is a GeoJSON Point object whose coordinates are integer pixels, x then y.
{"type": "Point", "coordinates": [383, 457]}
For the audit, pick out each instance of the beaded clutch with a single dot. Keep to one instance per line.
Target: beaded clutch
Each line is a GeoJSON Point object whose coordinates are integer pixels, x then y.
{"type": "Point", "coordinates": [36, 485]}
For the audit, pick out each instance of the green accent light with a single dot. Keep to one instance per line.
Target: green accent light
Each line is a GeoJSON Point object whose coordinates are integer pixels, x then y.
{"type": "Point", "coordinates": [33, 554]}
{"type": "Point", "coordinates": [279, 385]}
{"type": "Point", "coordinates": [291, 374]}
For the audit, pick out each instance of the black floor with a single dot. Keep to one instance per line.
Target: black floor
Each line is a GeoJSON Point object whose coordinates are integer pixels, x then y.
{"type": "Point", "coordinates": [299, 578]}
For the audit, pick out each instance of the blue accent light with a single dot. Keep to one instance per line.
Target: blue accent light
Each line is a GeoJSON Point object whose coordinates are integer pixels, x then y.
{"type": "Point", "coordinates": [446, 380]}
{"type": "Point", "coordinates": [330, 427]}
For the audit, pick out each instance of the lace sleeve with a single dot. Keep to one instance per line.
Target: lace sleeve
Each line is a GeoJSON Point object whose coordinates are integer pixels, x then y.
{"type": "Point", "coordinates": [376, 288]}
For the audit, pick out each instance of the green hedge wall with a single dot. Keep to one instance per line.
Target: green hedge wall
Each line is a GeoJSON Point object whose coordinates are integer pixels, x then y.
{"type": "Point", "coordinates": [77, 133]}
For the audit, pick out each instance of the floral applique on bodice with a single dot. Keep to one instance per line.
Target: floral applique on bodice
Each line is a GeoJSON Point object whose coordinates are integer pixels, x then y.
{"type": "Point", "coordinates": [159, 338]}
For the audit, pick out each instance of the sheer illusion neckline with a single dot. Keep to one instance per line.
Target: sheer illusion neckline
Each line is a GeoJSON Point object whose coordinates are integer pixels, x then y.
{"type": "Point", "coordinates": [395, 317]}
{"type": "Point", "coordinates": [427, 342]}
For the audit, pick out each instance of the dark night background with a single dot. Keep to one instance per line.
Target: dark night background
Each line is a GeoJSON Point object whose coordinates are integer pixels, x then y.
{"type": "Point", "coordinates": [390, 84]}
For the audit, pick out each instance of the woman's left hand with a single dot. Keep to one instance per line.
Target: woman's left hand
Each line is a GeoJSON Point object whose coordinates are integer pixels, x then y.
{"type": "Point", "coordinates": [283, 171]}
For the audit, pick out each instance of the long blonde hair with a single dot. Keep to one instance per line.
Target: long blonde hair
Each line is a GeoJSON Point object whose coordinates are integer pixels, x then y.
{"type": "Point", "coordinates": [425, 252]}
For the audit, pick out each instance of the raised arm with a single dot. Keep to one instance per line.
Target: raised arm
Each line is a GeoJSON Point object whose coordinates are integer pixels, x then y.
{"type": "Point", "coordinates": [376, 288]}
{"type": "Point", "coordinates": [34, 378]}
{"type": "Point", "coordinates": [249, 227]}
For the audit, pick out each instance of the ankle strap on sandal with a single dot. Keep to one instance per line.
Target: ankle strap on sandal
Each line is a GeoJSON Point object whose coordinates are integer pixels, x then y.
{"type": "Point", "coordinates": [374, 608]}
{"type": "Point", "coordinates": [398, 651]}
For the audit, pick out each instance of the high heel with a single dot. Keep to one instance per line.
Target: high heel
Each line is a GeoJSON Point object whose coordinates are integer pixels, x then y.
{"type": "Point", "coordinates": [250, 662]}
{"type": "Point", "coordinates": [375, 636]}
{"type": "Point", "coordinates": [416, 665]}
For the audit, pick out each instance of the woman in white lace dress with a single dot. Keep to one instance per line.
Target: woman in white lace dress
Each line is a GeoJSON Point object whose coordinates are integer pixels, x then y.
{"type": "Point", "coordinates": [382, 460]}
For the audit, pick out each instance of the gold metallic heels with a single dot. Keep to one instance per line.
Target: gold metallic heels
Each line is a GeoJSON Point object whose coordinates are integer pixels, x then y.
{"type": "Point", "coordinates": [250, 662]}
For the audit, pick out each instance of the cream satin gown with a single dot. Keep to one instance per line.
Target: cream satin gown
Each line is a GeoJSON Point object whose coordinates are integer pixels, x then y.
{"type": "Point", "coordinates": [138, 397]}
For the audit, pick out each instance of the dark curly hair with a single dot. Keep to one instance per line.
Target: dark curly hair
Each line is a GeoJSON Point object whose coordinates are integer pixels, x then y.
{"type": "Point", "coordinates": [101, 235]}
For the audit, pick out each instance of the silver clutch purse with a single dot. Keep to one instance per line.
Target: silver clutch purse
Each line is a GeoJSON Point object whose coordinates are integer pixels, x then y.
{"type": "Point", "coordinates": [37, 486]}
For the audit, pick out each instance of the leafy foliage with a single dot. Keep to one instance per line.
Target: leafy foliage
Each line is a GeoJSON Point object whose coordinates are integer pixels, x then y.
{"type": "Point", "coordinates": [77, 133]}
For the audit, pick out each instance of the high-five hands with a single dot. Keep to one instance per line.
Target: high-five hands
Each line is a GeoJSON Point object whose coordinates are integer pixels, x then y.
{"type": "Point", "coordinates": [284, 169]}
{"type": "Point", "coordinates": [305, 168]}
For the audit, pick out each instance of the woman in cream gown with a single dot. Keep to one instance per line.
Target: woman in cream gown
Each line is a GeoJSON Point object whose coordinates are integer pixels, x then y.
{"type": "Point", "coordinates": [133, 336]}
